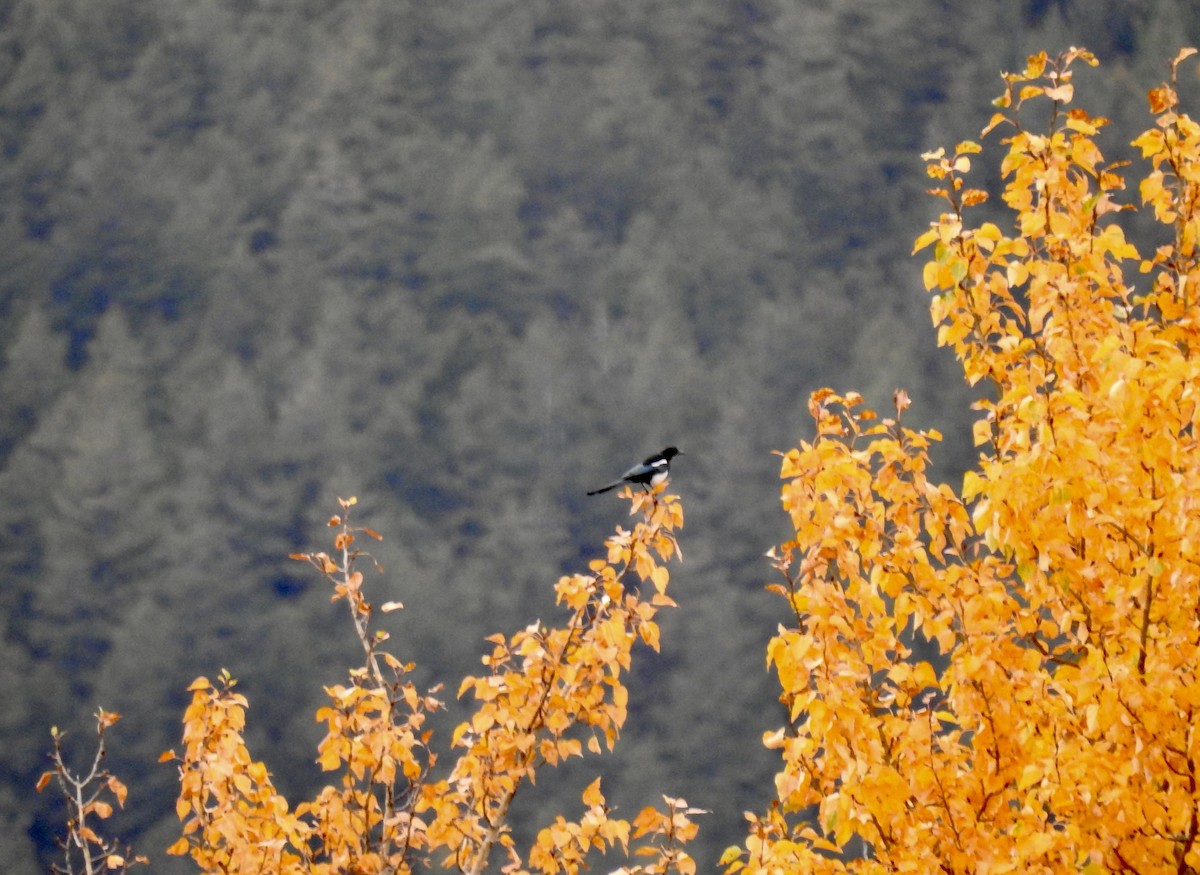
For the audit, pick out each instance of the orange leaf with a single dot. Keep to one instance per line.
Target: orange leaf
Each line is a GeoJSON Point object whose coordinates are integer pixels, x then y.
{"type": "Point", "coordinates": [592, 797]}
{"type": "Point", "coordinates": [118, 789]}
{"type": "Point", "coordinates": [102, 809]}
{"type": "Point", "coordinates": [180, 848]}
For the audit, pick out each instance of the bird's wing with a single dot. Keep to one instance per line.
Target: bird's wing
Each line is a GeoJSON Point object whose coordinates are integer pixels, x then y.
{"type": "Point", "coordinates": [641, 470]}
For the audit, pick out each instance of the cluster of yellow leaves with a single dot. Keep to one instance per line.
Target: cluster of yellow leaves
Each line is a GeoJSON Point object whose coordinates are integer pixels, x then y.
{"type": "Point", "coordinates": [549, 692]}
{"type": "Point", "coordinates": [377, 740]}
{"type": "Point", "coordinates": [1054, 726]}
{"type": "Point", "coordinates": [233, 818]}
{"type": "Point", "coordinates": [564, 846]}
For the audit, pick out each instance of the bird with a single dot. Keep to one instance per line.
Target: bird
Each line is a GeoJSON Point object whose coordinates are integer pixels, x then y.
{"type": "Point", "coordinates": [649, 473]}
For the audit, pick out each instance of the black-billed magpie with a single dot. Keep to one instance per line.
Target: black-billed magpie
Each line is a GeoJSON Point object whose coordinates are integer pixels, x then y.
{"type": "Point", "coordinates": [650, 473]}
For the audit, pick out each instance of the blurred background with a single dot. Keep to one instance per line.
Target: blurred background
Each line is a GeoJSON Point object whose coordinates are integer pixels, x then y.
{"type": "Point", "coordinates": [464, 260]}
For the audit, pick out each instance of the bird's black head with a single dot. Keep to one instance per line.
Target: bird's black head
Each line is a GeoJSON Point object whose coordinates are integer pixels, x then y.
{"type": "Point", "coordinates": [670, 453]}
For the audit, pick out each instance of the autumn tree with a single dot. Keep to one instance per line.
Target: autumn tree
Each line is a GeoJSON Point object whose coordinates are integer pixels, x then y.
{"type": "Point", "coordinates": [548, 693]}
{"type": "Point", "coordinates": [1050, 720]}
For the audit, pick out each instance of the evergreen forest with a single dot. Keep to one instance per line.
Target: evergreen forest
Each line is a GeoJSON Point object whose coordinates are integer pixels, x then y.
{"type": "Point", "coordinates": [465, 261]}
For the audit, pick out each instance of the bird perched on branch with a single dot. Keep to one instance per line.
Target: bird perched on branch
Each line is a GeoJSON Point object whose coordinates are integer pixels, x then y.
{"type": "Point", "coordinates": [648, 474]}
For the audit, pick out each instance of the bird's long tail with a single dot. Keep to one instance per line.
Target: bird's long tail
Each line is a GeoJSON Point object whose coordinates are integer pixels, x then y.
{"type": "Point", "coordinates": [606, 488]}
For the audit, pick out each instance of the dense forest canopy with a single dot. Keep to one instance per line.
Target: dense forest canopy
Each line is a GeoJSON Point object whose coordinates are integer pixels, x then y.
{"type": "Point", "coordinates": [465, 262]}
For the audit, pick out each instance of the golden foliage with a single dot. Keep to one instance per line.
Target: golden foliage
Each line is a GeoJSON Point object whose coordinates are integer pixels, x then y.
{"type": "Point", "coordinates": [1052, 723]}
{"type": "Point", "coordinates": [549, 691]}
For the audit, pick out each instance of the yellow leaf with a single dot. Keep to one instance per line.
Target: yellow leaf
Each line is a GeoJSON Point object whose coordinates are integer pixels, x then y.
{"type": "Point", "coordinates": [592, 797]}
{"type": "Point", "coordinates": [180, 848]}
{"type": "Point", "coordinates": [930, 275]}
{"type": "Point", "coordinates": [1031, 774]}
{"type": "Point", "coordinates": [930, 236]}
{"type": "Point", "coordinates": [1061, 93]}
{"type": "Point", "coordinates": [102, 809]}
{"type": "Point", "coordinates": [118, 789]}
{"type": "Point", "coordinates": [973, 197]}
{"type": "Point", "coordinates": [996, 120]}
{"type": "Point", "coordinates": [329, 758]}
